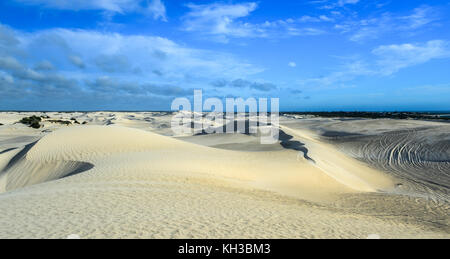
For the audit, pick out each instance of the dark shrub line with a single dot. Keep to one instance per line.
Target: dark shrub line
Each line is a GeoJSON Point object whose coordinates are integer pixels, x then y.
{"type": "Point", "coordinates": [33, 121]}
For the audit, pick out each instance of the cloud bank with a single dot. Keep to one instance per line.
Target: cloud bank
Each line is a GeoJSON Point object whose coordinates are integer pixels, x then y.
{"type": "Point", "coordinates": [73, 66]}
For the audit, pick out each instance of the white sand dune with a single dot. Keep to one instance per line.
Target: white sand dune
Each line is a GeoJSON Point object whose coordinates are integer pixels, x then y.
{"type": "Point", "coordinates": [342, 168]}
{"type": "Point", "coordinates": [119, 182]}
{"type": "Point", "coordinates": [90, 144]}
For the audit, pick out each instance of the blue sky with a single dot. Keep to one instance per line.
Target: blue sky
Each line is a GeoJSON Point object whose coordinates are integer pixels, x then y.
{"type": "Point", "coordinates": [140, 55]}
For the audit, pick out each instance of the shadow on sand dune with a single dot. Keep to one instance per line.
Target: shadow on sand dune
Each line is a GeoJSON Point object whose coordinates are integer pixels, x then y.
{"type": "Point", "coordinates": [288, 143]}
{"type": "Point", "coordinates": [19, 156]}
{"type": "Point", "coordinates": [21, 172]}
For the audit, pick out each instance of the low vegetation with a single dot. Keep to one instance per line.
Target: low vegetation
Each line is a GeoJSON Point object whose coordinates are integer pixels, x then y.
{"type": "Point", "coordinates": [33, 121]}
{"type": "Point", "coordinates": [61, 122]}
{"type": "Point", "coordinates": [376, 115]}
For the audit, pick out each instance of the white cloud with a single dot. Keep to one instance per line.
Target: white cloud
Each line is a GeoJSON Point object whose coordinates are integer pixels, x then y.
{"type": "Point", "coordinates": [344, 2]}
{"type": "Point", "coordinates": [293, 31]}
{"type": "Point", "coordinates": [158, 9]}
{"type": "Point", "coordinates": [314, 19]}
{"type": "Point", "coordinates": [347, 72]}
{"type": "Point", "coordinates": [334, 4]}
{"type": "Point", "coordinates": [292, 64]}
{"type": "Point", "coordinates": [372, 28]}
{"type": "Point", "coordinates": [421, 16]}
{"type": "Point", "coordinates": [386, 60]}
{"type": "Point", "coordinates": [220, 19]}
{"type": "Point", "coordinates": [325, 18]}
{"type": "Point", "coordinates": [307, 18]}
{"type": "Point", "coordinates": [392, 58]}
{"type": "Point", "coordinates": [154, 7]}
{"type": "Point", "coordinates": [225, 21]}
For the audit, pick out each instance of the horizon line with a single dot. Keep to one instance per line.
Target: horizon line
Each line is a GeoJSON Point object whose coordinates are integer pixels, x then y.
{"type": "Point", "coordinates": [285, 111]}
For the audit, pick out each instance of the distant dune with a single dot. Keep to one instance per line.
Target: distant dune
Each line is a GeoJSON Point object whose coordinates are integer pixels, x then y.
{"type": "Point", "coordinates": [124, 175]}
